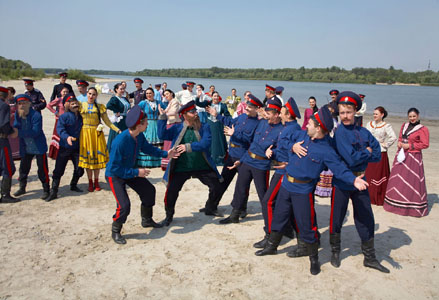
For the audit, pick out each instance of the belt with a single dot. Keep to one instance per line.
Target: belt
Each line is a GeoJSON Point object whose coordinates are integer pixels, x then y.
{"type": "Point", "coordinates": [358, 173]}
{"type": "Point", "coordinates": [3, 136]}
{"type": "Point", "coordinates": [255, 156]}
{"type": "Point", "coordinates": [278, 163]}
{"type": "Point", "coordinates": [295, 180]}
{"type": "Point", "coordinates": [234, 146]}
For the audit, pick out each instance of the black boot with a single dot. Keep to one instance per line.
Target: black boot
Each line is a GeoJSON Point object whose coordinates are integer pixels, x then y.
{"type": "Point", "coordinates": [115, 233]}
{"type": "Point", "coordinates": [6, 191]}
{"type": "Point", "coordinates": [74, 184]}
{"type": "Point", "coordinates": [261, 244]}
{"type": "Point", "coordinates": [334, 240]}
{"type": "Point", "coordinates": [313, 250]}
{"type": "Point", "coordinates": [54, 191]}
{"type": "Point", "coordinates": [147, 221]}
{"type": "Point", "coordinates": [233, 218]}
{"type": "Point", "coordinates": [370, 260]}
{"type": "Point", "coordinates": [271, 245]}
{"type": "Point", "coordinates": [243, 213]}
{"type": "Point", "coordinates": [288, 232]}
{"type": "Point", "coordinates": [46, 191]}
{"type": "Point", "coordinates": [22, 189]}
{"type": "Point", "coordinates": [301, 250]}
{"type": "Point", "coordinates": [211, 209]}
{"type": "Point", "coordinates": [169, 218]}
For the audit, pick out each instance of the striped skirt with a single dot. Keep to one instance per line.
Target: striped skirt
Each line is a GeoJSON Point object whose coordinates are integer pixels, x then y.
{"type": "Point", "coordinates": [54, 143]}
{"type": "Point", "coordinates": [406, 193]}
{"type": "Point", "coordinates": [377, 175]}
{"type": "Point", "coordinates": [324, 186]}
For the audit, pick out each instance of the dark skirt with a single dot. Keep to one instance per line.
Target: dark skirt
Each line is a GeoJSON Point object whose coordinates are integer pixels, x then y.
{"type": "Point", "coordinates": [219, 143]}
{"type": "Point", "coordinates": [377, 175]}
{"type": "Point", "coordinates": [406, 193]}
{"type": "Point", "coordinates": [54, 143]}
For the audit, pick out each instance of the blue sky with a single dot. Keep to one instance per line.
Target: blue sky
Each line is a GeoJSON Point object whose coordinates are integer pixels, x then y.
{"type": "Point", "coordinates": [133, 35]}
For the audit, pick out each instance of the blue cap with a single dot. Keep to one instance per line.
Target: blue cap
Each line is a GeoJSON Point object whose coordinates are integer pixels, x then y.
{"type": "Point", "coordinates": [184, 86]}
{"type": "Point", "coordinates": [292, 108]}
{"type": "Point", "coordinates": [334, 92]}
{"type": "Point", "coordinates": [134, 116]}
{"type": "Point", "coordinates": [138, 80]}
{"type": "Point", "coordinates": [253, 100]}
{"type": "Point", "coordinates": [69, 97]}
{"type": "Point", "coordinates": [274, 104]}
{"type": "Point", "coordinates": [22, 97]}
{"type": "Point", "coordinates": [324, 118]}
{"type": "Point", "coordinates": [158, 85]}
{"type": "Point", "coordinates": [81, 82]}
{"type": "Point", "coordinates": [351, 98]}
{"type": "Point", "coordinates": [187, 107]}
{"type": "Point", "coordinates": [279, 89]}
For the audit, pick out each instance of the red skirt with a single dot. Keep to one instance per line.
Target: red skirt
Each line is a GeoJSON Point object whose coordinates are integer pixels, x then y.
{"type": "Point", "coordinates": [166, 146]}
{"type": "Point", "coordinates": [377, 175]}
{"type": "Point", "coordinates": [54, 143]}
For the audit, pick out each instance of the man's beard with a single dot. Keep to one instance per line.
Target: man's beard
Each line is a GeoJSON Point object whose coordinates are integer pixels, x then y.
{"type": "Point", "coordinates": [23, 111]}
{"type": "Point", "coordinates": [193, 122]}
{"type": "Point", "coordinates": [69, 107]}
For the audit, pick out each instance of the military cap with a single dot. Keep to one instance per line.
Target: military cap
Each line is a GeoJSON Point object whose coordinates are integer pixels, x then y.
{"type": "Point", "coordinates": [274, 104]}
{"type": "Point", "coordinates": [324, 118]}
{"type": "Point", "coordinates": [292, 108]}
{"type": "Point", "coordinates": [351, 98]}
{"type": "Point", "coordinates": [134, 116]}
{"type": "Point", "coordinates": [253, 100]}
{"type": "Point", "coordinates": [22, 97]}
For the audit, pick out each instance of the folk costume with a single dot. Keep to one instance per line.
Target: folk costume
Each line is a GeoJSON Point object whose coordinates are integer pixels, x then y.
{"type": "Point", "coordinates": [117, 105]}
{"type": "Point", "coordinates": [57, 111]}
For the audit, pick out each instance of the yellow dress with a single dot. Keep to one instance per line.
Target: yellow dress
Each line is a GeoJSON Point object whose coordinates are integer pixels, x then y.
{"type": "Point", "coordinates": [93, 153]}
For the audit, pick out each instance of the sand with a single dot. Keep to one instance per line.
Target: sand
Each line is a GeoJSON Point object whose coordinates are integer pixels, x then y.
{"type": "Point", "coordinates": [63, 249]}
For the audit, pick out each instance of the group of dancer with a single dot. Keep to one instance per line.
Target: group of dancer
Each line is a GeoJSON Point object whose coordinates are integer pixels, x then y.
{"type": "Point", "coordinates": [185, 133]}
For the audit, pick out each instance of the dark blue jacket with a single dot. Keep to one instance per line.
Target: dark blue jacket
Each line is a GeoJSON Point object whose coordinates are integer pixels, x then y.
{"type": "Point", "coordinates": [280, 153]}
{"type": "Point", "coordinates": [35, 131]}
{"type": "Point", "coordinates": [37, 99]}
{"type": "Point", "coordinates": [69, 124]}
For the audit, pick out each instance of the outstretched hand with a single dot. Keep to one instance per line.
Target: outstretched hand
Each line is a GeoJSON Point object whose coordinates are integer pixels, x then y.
{"type": "Point", "coordinates": [173, 153]}
{"type": "Point", "coordinates": [360, 183]}
{"type": "Point", "coordinates": [282, 165]}
{"type": "Point", "coordinates": [235, 165]}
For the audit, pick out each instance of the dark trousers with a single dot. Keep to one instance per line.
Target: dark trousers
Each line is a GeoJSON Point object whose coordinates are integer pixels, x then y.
{"type": "Point", "coordinates": [269, 201]}
{"type": "Point", "coordinates": [25, 165]}
{"type": "Point", "coordinates": [177, 179]}
{"type": "Point", "coordinates": [140, 185]}
{"type": "Point", "coordinates": [246, 174]}
{"type": "Point", "coordinates": [302, 205]}
{"type": "Point", "coordinates": [363, 214]}
{"type": "Point", "coordinates": [7, 166]}
{"type": "Point", "coordinates": [358, 121]}
{"type": "Point", "coordinates": [228, 176]}
{"type": "Point", "coordinates": [64, 155]}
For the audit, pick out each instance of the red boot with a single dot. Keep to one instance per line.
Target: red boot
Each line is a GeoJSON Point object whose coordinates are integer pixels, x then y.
{"type": "Point", "coordinates": [90, 185]}
{"type": "Point", "coordinates": [97, 187]}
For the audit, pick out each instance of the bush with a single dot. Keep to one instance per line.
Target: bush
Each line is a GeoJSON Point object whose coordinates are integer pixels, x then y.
{"type": "Point", "coordinates": [75, 74]}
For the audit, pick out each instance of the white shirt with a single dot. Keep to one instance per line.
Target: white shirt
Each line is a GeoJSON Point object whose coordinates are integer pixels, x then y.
{"type": "Point", "coordinates": [384, 134]}
{"type": "Point", "coordinates": [184, 96]}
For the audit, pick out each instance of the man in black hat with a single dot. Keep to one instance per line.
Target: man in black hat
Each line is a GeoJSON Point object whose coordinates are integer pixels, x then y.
{"type": "Point", "coordinates": [36, 97]}
{"type": "Point", "coordinates": [62, 84]}
{"type": "Point", "coordinates": [120, 172]}
{"type": "Point", "coordinates": [7, 167]}
{"type": "Point", "coordinates": [139, 93]}
{"type": "Point", "coordinates": [68, 128]}
{"type": "Point", "coordinates": [82, 88]}
{"type": "Point", "coordinates": [192, 140]}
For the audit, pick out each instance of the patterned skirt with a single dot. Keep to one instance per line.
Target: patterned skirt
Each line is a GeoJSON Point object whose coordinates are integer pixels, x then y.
{"type": "Point", "coordinates": [151, 135]}
{"type": "Point", "coordinates": [377, 175]}
{"type": "Point", "coordinates": [166, 146]}
{"type": "Point", "coordinates": [93, 153]}
{"type": "Point", "coordinates": [406, 193]}
{"type": "Point", "coordinates": [54, 143]}
{"type": "Point", "coordinates": [324, 186]}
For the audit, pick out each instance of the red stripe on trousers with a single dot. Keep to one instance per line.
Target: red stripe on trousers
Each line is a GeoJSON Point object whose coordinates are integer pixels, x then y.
{"type": "Point", "coordinates": [45, 168]}
{"type": "Point", "coordinates": [311, 205]}
{"type": "Point", "coordinates": [166, 193]}
{"type": "Point", "coordinates": [332, 210]}
{"type": "Point", "coordinates": [110, 181]}
{"type": "Point", "coordinates": [8, 161]}
{"type": "Point", "coordinates": [270, 202]}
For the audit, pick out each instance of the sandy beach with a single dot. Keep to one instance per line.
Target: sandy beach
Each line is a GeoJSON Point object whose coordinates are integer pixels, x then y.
{"type": "Point", "coordinates": [63, 249]}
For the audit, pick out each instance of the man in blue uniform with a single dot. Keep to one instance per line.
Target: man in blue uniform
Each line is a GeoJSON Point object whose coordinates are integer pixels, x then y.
{"type": "Point", "coordinates": [139, 93]}
{"type": "Point", "coordinates": [192, 140]}
{"type": "Point", "coordinates": [312, 153]}
{"type": "Point", "coordinates": [333, 104]}
{"type": "Point", "coordinates": [255, 165]}
{"type": "Point", "coordinates": [241, 131]}
{"type": "Point", "coordinates": [82, 88]}
{"type": "Point", "coordinates": [35, 96]}
{"type": "Point", "coordinates": [357, 146]}
{"type": "Point", "coordinates": [7, 167]}
{"type": "Point", "coordinates": [120, 172]}
{"type": "Point", "coordinates": [32, 143]}
{"type": "Point", "coordinates": [62, 84]}
{"type": "Point", "coordinates": [68, 128]}
{"type": "Point", "coordinates": [289, 114]}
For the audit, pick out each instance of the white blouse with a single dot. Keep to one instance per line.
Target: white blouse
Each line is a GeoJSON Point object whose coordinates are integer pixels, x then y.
{"type": "Point", "coordinates": [384, 134]}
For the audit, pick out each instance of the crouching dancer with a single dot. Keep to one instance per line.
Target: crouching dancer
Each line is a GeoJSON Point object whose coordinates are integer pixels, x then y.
{"type": "Point", "coordinates": [68, 128]}
{"type": "Point", "coordinates": [121, 172]}
{"type": "Point", "coordinates": [312, 152]}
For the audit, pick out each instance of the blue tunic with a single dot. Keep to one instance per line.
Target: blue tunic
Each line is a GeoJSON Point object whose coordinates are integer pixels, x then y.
{"type": "Point", "coordinates": [265, 136]}
{"type": "Point", "coordinates": [69, 124]}
{"type": "Point", "coordinates": [351, 143]}
{"type": "Point", "coordinates": [124, 153]}
{"type": "Point", "coordinates": [245, 127]}
{"type": "Point", "coordinates": [280, 154]}
{"type": "Point", "coordinates": [31, 132]}
{"type": "Point", "coordinates": [37, 99]}
{"type": "Point", "coordinates": [320, 155]}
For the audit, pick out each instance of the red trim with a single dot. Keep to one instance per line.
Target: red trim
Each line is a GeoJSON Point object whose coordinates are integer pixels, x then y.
{"type": "Point", "coordinates": [138, 81]}
{"type": "Point", "coordinates": [311, 205]}
{"type": "Point", "coordinates": [333, 93]}
{"type": "Point", "coordinates": [290, 109]}
{"type": "Point", "coordinates": [110, 181]}
{"type": "Point", "coordinates": [70, 97]}
{"type": "Point", "coordinates": [270, 202]}
{"type": "Point", "coordinates": [138, 122]}
{"type": "Point", "coordinates": [4, 90]}
{"type": "Point", "coordinates": [331, 218]}
{"type": "Point", "coordinates": [8, 161]}
{"type": "Point", "coordinates": [267, 87]}
{"type": "Point", "coordinates": [316, 115]}
{"type": "Point", "coordinates": [254, 102]}
{"type": "Point", "coordinates": [273, 106]}
{"type": "Point", "coordinates": [45, 164]}
{"type": "Point", "coordinates": [23, 99]}
{"type": "Point", "coordinates": [187, 109]}
{"type": "Point", "coordinates": [349, 99]}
